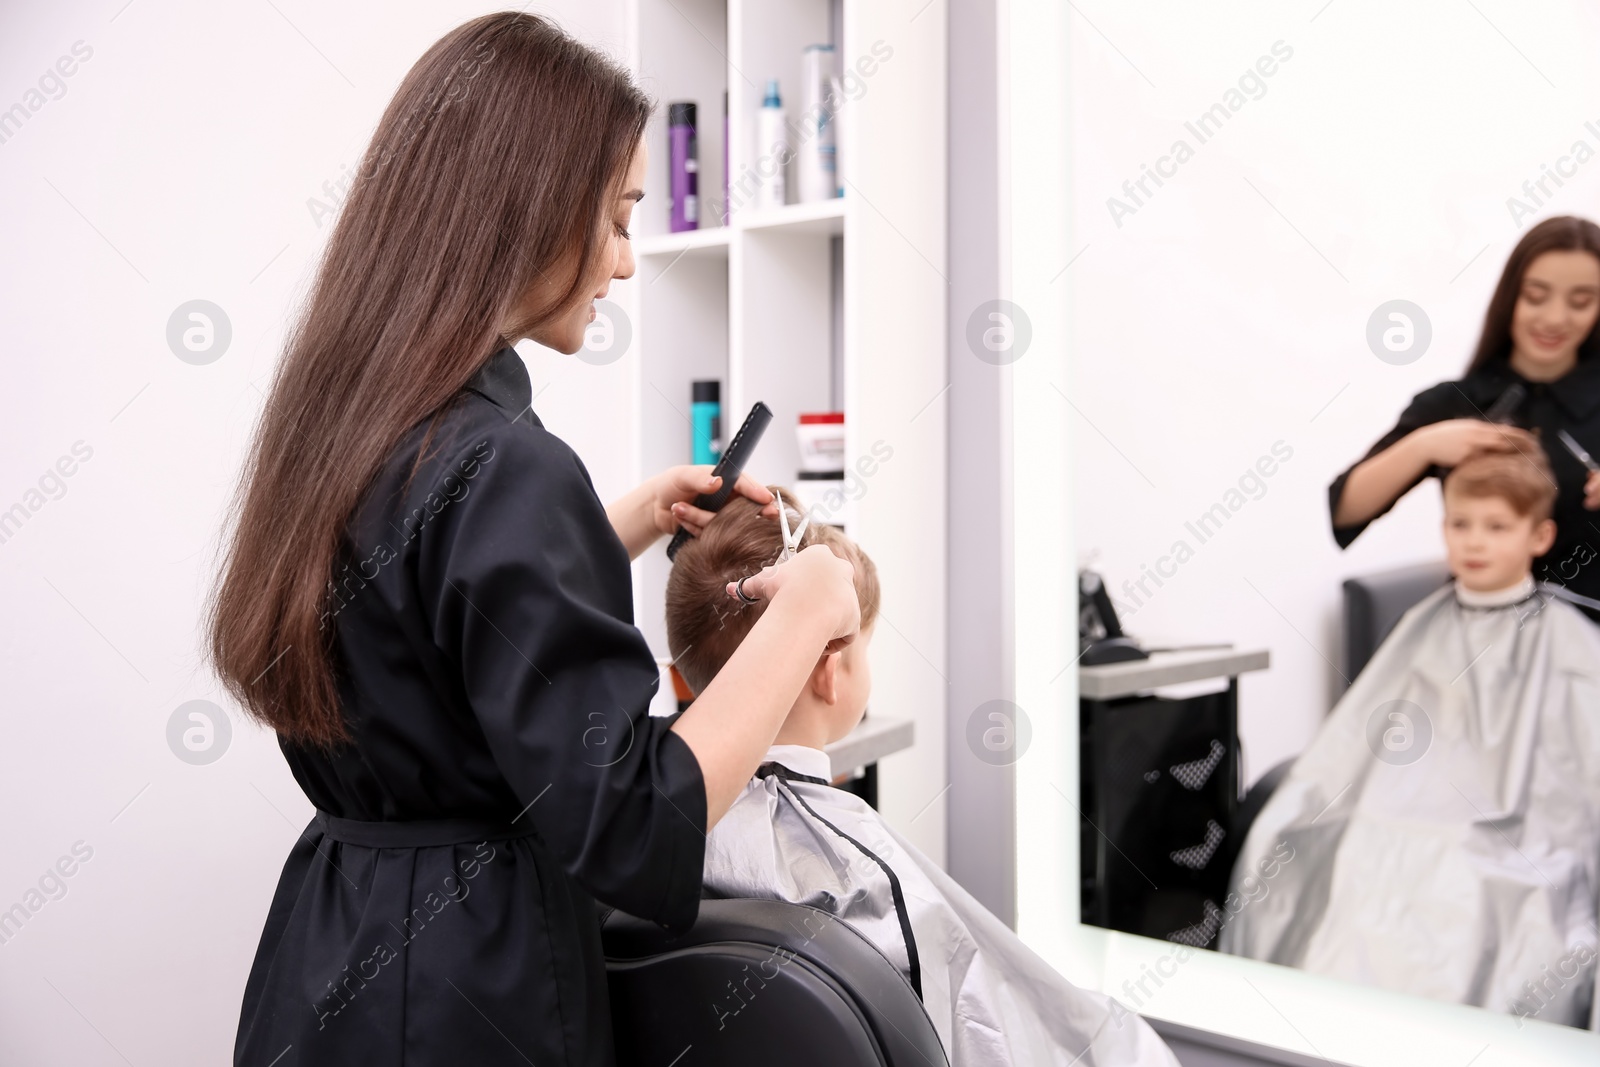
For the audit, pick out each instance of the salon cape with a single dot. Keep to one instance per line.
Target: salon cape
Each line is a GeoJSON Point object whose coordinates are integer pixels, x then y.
{"type": "Point", "coordinates": [791, 836]}
{"type": "Point", "coordinates": [1445, 821]}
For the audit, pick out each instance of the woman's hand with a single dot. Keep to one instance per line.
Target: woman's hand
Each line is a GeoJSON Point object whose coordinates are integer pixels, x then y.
{"type": "Point", "coordinates": [824, 582]}
{"type": "Point", "coordinates": [1447, 443]}
{"type": "Point", "coordinates": [675, 487]}
{"type": "Point", "coordinates": [660, 504]}
{"type": "Point", "coordinates": [1591, 491]}
{"type": "Point", "coordinates": [1377, 481]}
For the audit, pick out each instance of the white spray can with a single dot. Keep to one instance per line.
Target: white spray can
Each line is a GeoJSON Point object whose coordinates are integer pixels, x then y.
{"type": "Point", "coordinates": [772, 151]}
{"type": "Point", "coordinates": [815, 158]}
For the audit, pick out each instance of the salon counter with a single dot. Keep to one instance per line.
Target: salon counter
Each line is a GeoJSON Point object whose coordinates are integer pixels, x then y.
{"type": "Point", "coordinates": [1159, 783]}
{"type": "Point", "coordinates": [1111, 680]}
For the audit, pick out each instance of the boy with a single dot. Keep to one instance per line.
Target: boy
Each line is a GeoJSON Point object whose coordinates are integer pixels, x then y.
{"type": "Point", "coordinates": [1443, 820]}
{"type": "Point", "coordinates": [791, 836]}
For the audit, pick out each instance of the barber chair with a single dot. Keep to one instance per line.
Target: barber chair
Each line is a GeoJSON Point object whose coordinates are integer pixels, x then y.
{"type": "Point", "coordinates": [1373, 604]}
{"type": "Point", "coordinates": [760, 982]}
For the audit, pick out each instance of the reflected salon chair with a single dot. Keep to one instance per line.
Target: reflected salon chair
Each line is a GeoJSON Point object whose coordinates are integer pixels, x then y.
{"type": "Point", "coordinates": [1373, 605]}
{"type": "Point", "coordinates": [760, 981]}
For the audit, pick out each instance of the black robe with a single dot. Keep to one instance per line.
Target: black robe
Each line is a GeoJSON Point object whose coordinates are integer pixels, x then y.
{"type": "Point", "coordinates": [1571, 403]}
{"type": "Point", "coordinates": [504, 776]}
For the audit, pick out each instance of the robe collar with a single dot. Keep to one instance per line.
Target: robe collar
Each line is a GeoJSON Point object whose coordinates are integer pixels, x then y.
{"type": "Point", "coordinates": [503, 381]}
{"type": "Point", "coordinates": [1577, 391]}
{"type": "Point", "coordinates": [1496, 598]}
{"type": "Point", "coordinates": [801, 759]}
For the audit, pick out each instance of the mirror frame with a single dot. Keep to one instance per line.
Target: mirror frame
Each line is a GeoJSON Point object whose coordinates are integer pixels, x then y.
{"type": "Point", "coordinates": [1275, 1007]}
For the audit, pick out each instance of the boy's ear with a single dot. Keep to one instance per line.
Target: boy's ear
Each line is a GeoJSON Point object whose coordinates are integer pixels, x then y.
{"type": "Point", "coordinates": [1544, 535]}
{"type": "Point", "coordinates": [825, 678]}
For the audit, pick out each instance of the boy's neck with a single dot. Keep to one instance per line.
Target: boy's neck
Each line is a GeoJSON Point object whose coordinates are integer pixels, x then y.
{"type": "Point", "coordinates": [801, 728]}
{"type": "Point", "coordinates": [1485, 598]}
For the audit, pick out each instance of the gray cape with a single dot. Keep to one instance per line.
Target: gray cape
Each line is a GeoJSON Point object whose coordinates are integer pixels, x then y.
{"type": "Point", "coordinates": [991, 999]}
{"type": "Point", "coordinates": [1443, 827]}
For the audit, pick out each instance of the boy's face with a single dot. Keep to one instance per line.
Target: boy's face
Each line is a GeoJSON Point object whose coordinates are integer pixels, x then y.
{"type": "Point", "coordinates": [854, 682]}
{"type": "Point", "coordinates": [1489, 545]}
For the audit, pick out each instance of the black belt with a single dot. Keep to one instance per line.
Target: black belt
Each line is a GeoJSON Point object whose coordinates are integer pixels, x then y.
{"type": "Point", "coordinates": [418, 833]}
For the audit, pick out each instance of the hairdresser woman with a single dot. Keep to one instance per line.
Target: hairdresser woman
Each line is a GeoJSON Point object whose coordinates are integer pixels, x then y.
{"type": "Point", "coordinates": [427, 602]}
{"type": "Point", "coordinates": [1539, 352]}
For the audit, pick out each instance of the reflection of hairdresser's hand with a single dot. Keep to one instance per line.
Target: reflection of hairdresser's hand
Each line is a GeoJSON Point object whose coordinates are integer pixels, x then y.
{"type": "Point", "coordinates": [1591, 491]}
{"type": "Point", "coordinates": [821, 582]}
{"type": "Point", "coordinates": [1447, 443]}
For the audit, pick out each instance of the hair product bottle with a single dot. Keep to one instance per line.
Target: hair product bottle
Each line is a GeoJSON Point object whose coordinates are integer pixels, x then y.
{"type": "Point", "coordinates": [684, 160]}
{"type": "Point", "coordinates": [772, 150]}
{"type": "Point", "coordinates": [705, 420]}
{"type": "Point", "coordinates": [815, 159]}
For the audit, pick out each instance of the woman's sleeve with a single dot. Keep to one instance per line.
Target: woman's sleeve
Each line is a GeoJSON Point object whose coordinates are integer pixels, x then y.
{"type": "Point", "coordinates": [530, 592]}
{"type": "Point", "coordinates": [1427, 407]}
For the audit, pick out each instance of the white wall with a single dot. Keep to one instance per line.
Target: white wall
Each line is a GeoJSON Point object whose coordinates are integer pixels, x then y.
{"type": "Point", "coordinates": [174, 163]}
{"type": "Point", "coordinates": [1229, 311]}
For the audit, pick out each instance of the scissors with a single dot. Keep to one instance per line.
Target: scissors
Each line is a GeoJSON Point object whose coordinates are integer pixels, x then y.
{"type": "Point", "coordinates": [791, 544]}
{"type": "Point", "coordinates": [1577, 450]}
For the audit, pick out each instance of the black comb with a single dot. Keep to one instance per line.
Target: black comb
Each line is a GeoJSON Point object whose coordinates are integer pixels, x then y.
{"type": "Point", "coordinates": [728, 468]}
{"type": "Point", "coordinates": [1502, 410]}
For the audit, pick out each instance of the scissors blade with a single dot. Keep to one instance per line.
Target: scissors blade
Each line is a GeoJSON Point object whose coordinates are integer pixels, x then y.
{"type": "Point", "coordinates": [783, 522]}
{"type": "Point", "coordinates": [1577, 450]}
{"type": "Point", "coordinates": [800, 530]}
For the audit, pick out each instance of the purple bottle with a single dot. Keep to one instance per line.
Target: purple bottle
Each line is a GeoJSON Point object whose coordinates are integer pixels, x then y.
{"type": "Point", "coordinates": [684, 160]}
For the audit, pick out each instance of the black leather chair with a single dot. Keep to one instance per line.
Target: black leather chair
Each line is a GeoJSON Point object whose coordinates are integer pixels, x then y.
{"type": "Point", "coordinates": [1373, 604]}
{"type": "Point", "coordinates": [760, 982]}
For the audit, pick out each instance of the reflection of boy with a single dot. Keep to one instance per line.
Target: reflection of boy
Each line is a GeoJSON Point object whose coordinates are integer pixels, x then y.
{"type": "Point", "coordinates": [1443, 818]}
{"type": "Point", "coordinates": [791, 836]}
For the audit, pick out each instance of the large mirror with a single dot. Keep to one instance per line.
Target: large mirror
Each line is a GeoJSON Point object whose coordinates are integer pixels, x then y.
{"type": "Point", "coordinates": [1318, 344]}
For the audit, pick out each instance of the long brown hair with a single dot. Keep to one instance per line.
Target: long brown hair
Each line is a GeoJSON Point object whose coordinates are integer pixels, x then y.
{"type": "Point", "coordinates": [489, 170]}
{"type": "Point", "coordinates": [1564, 233]}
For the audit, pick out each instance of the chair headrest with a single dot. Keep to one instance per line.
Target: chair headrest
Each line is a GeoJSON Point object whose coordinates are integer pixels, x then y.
{"type": "Point", "coordinates": [1373, 604]}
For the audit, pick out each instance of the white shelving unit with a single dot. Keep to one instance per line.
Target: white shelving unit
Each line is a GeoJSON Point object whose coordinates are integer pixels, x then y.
{"type": "Point", "coordinates": [820, 306]}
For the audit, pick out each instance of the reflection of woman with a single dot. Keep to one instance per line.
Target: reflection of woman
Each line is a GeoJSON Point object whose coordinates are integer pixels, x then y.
{"type": "Point", "coordinates": [1538, 333]}
{"type": "Point", "coordinates": [430, 606]}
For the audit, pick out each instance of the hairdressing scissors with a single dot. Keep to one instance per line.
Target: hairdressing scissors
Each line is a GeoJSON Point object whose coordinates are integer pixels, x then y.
{"type": "Point", "coordinates": [791, 544]}
{"type": "Point", "coordinates": [1578, 450]}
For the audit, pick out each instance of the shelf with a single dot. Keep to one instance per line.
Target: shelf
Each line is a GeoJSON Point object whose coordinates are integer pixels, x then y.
{"type": "Point", "coordinates": [712, 240]}
{"type": "Point", "coordinates": [802, 307]}
{"type": "Point", "coordinates": [817, 217]}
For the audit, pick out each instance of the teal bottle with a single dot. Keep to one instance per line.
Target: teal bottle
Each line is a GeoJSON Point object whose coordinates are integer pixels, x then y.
{"type": "Point", "coordinates": [705, 416]}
